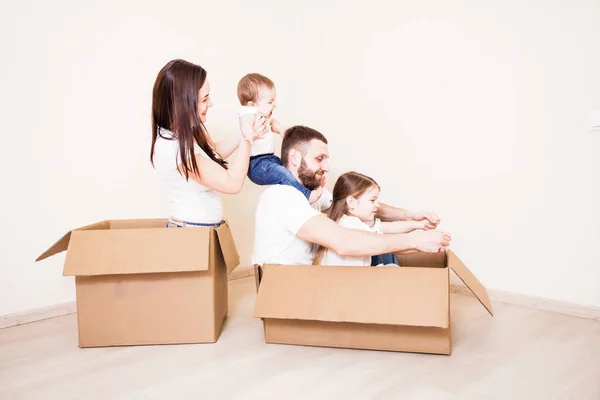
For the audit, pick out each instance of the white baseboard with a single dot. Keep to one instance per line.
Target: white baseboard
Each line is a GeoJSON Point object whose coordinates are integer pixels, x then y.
{"type": "Point", "coordinates": [561, 307]}
{"type": "Point", "coordinates": [539, 303]}
{"type": "Point", "coordinates": [37, 314]}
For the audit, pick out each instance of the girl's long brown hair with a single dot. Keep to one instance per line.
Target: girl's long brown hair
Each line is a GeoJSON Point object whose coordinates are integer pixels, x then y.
{"type": "Point", "coordinates": [348, 184]}
{"type": "Point", "coordinates": [175, 107]}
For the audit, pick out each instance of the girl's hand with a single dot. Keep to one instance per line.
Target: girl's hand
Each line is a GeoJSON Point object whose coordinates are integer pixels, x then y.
{"type": "Point", "coordinates": [431, 218]}
{"type": "Point", "coordinates": [422, 225]}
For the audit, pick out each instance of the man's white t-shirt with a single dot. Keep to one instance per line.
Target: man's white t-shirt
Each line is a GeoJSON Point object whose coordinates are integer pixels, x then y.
{"type": "Point", "coordinates": [281, 212]}
{"type": "Point", "coordinates": [190, 201]}
{"type": "Point", "coordinates": [350, 222]}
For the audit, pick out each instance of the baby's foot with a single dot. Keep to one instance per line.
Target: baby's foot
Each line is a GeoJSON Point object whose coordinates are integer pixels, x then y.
{"type": "Point", "coordinates": [315, 195]}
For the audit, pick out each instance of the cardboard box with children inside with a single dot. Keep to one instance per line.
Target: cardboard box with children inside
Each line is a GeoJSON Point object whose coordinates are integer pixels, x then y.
{"type": "Point", "coordinates": [139, 283]}
{"type": "Point", "coordinates": [380, 308]}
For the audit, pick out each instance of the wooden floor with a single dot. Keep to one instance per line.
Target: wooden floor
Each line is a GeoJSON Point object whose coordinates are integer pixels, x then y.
{"type": "Point", "coordinates": [521, 353]}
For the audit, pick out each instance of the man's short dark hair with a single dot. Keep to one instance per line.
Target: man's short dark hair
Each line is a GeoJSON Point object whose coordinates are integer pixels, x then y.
{"type": "Point", "coordinates": [297, 137]}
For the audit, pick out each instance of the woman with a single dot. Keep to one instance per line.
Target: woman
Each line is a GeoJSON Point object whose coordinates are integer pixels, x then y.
{"type": "Point", "coordinates": [191, 165]}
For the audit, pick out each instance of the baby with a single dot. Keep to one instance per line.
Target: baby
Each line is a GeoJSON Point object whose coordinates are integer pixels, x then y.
{"type": "Point", "coordinates": [256, 94]}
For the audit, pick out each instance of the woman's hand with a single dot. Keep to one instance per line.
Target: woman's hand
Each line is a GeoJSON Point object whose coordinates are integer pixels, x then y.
{"type": "Point", "coordinates": [253, 126]}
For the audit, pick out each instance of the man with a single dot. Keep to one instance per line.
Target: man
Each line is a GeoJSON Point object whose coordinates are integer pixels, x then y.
{"type": "Point", "coordinates": [287, 225]}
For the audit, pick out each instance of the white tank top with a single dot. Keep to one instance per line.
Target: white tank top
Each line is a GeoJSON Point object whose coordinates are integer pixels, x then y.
{"type": "Point", "coordinates": [190, 201]}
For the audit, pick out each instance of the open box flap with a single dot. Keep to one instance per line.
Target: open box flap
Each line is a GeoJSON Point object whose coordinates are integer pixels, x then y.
{"type": "Point", "coordinates": [136, 251]}
{"type": "Point", "coordinates": [62, 244]}
{"type": "Point", "coordinates": [469, 280]}
{"type": "Point", "coordinates": [230, 253]}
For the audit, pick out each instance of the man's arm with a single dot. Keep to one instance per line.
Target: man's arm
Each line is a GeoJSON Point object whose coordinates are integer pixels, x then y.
{"type": "Point", "coordinates": [355, 243]}
{"type": "Point", "coordinates": [388, 213]}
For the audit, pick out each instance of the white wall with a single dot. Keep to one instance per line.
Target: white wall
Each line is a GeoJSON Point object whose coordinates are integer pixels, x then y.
{"type": "Point", "coordinates": [476, 111]}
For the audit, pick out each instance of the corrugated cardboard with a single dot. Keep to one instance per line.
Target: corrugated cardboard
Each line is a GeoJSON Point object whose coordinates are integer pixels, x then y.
{"type": "Point", "coordinates": [398, 309]}
{"type": "Point", "coordinates": [139, 283]}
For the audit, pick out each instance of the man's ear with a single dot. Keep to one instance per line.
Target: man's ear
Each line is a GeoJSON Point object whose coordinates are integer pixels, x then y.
{"type": "Point", "coordinates": [295, 158]}
{"type": "Point", "coordinates": [251, 104]}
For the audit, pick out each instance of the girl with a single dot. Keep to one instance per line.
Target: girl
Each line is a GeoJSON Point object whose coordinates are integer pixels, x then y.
{"type": "Point", "coordinates": [355, 202]}
{"type": "Point", "coordinates": [191, 165]}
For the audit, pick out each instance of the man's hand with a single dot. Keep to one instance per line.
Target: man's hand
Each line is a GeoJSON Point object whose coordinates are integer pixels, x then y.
{"type": "Point", "coordinates": [431, 241]}
{"type": "Point", "coordinates": [432, 219]}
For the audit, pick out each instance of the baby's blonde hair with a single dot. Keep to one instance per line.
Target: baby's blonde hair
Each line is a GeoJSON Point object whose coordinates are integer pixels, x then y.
{"type": "Point", "coordinates": [249, 85]}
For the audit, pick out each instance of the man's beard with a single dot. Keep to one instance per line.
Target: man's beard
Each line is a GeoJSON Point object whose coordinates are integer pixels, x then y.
{"type": "Point", "coordinates": [308, 178]}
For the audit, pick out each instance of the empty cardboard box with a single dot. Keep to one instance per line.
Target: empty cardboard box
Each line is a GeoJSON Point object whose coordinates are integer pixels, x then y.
{"type": "Point", "coordinates": [379, 308]}
{"type": "Point", "coordinates": [139, 283]}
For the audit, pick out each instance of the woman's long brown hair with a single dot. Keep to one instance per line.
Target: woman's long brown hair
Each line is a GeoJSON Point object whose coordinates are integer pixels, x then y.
{"type": "Point", "coordinates": [175, 107]}
{"type": "Point", "coordinates": [348, 184]}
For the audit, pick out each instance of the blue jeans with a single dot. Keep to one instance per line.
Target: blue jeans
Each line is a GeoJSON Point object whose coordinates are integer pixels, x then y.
{"type": "Point", "coordinates": [389, 258]}
{"type": "Point", "coordinates": [266, 169]}
{"type": "Point", "coordinates": [184, 224]}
